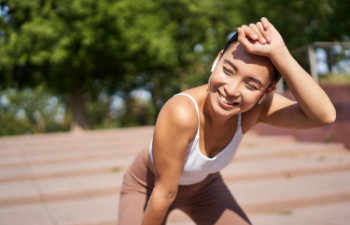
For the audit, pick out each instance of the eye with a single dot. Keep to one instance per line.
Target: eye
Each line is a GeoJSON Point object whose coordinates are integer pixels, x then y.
{"type": "Point", "coordinates": [252, 86]}
{"type": "Point", "coordinates": [227, 71]}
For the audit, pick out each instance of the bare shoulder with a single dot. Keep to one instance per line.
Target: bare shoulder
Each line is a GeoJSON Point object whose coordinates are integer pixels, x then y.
{"type": "Point", "coordinates": [178, 116]}
{"type": "Point", "coordinates": [176, 126]}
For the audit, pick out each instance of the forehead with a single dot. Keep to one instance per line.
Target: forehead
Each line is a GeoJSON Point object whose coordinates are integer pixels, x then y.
{"type": "Point", "coordinates": [247, 62]}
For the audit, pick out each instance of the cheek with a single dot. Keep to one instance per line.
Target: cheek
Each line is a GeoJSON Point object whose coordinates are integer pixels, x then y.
{"type": "Point", "coordinates": [250, 98]}
{"type": "Point", "coordinates": [216, 80]}
{"type": "Point", "coordinates": [249, 95]}
{"type": "Point", "coordinates": [212, 83]}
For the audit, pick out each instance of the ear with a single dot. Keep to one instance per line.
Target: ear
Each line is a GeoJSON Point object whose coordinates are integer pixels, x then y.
{"type": "Point", "coordinates": [268, 91]}
{"type": "Point", "coordinates": [216, 60]}
{"type": "Point", "coordinates": [220, 54]}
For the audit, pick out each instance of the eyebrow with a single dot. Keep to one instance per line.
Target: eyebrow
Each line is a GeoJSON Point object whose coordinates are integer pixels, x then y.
{"type": "Point", "coordinates": [256, 81]}
{"type": "Point", "coordinates": [231, 64]}
{"type": "Point", "coordinates": [250, 78]}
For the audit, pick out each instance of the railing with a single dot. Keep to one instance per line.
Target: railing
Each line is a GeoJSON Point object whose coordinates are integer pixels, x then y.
{"type": "Point", "coordinates": [310, 51]}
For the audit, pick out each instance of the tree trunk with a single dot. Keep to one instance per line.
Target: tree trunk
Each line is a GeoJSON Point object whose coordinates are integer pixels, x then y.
{"type": "Point", "coordinates": [79, 120]}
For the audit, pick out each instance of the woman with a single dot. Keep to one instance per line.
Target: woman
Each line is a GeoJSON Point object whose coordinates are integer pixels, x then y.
{"type": "Point", "coordinates": [198, 131]}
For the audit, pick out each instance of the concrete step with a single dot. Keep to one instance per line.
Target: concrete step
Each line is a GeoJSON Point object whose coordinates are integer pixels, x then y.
{"type": "Point", "coordinates": [66, 156]}
{"type": "Point", "coordinates": [75, 146]}
{"type": "Point", "coordinates": [45, 184]}
{"type": "Point", "coordinates": [246, 150]}
{"type": "Point", "coordinates": [282, 194]}
{"type": "Point", "coordinates": [69, 213]}
{"type": "Point", "coordinates": [254, 150]}
{"type": "Point", "coordinates": [104, 161]}
{"type": "Point", "coordinates": [58, 189]}
{"type": "Point", "coordinates": [264, 197]}
{"type": "Point", "coordinates": [329, 214]}
{"type": "Point", "coordinates": [287, 165]}
{"type": "Point", "coordinates": [63, 178]}
{"type": "Point", "coordinates": [93, 140]}
{"type": "Point", "coordinates": [63, 169]}
{"type": "Point", "coordinates": [72, 138]}
{"type": "Point", "coordinates": [85, 211]}
{"type": "Point", "coordinates": [67, 141]}
{"type": "Point", "coordinates": [278, 193]}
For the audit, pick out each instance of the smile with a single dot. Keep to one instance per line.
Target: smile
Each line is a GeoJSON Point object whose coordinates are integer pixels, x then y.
{"type": "Point", "coordinates": [224, 100]}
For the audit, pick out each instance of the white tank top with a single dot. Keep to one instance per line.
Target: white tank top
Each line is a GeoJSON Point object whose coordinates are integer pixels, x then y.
{"type": "Point", "coordinates": [198, 166]}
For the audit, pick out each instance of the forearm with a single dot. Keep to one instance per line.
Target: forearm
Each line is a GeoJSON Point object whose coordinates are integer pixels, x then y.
{"type": "Point", "coordinates": [311, 98]}
{"type": "Point", "coordinates": [157, 208]}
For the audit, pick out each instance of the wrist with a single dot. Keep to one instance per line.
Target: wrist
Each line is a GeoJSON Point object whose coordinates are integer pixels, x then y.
{"type": "Point", "coordinates": [279, 55]}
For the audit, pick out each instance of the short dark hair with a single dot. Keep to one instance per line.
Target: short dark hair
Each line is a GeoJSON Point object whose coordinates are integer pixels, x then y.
{"type": "Point", "coordinates": [234, 38]}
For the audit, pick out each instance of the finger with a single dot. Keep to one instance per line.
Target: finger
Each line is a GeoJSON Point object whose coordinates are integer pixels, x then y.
{"type": "Point", "coordinates": [249, 33]}
{"type": "Point", "coordinates": [256, 29]}
{"type": "Point", "coordinates": [263, 32]}
{"type": "Point", "coordinates": [265, 22]}
{"type": "Point", "coordinates": [242, 38]}
{"type": "Point", "coordinates": [241, 33]}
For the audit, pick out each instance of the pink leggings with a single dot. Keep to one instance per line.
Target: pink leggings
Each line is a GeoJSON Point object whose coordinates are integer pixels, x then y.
{"type": "Point", "coordinates": [207, 202]}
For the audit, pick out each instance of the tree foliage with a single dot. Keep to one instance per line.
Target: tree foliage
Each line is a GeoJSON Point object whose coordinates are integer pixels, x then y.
{"type": "Point", "coordinates": [31, 111]}
{"type": "Point", "coordinates": [302, 22]}
{"type": "Point", "coordinates": [81, 48]}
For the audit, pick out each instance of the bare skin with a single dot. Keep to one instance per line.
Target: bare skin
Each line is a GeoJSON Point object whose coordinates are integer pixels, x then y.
{"type": "Point", "coordinates": [241, 78]}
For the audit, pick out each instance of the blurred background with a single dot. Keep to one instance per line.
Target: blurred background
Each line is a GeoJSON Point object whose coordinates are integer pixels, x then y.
{"type": "Point", "coordinates": [88, 64]}
{"type": "Point", "coordinates": [78, 65]}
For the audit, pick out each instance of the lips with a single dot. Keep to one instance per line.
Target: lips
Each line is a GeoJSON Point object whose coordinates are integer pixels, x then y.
{"type": "Point", "coordinates": [227, 102]}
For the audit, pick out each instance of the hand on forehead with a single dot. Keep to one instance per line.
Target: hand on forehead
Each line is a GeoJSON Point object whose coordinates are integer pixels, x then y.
{"type": "Point", "coordinates": [248, 62]}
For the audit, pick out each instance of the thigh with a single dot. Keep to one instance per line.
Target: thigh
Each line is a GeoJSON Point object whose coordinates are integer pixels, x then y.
{"type": "Point", "coordinates": [135, 191]}
{"type": "Point", "coordinates": [133, 202]}
{"type": "Point", "coordinates": [214, 204]}
{"type": "Point", "coordinates": [131, 208]}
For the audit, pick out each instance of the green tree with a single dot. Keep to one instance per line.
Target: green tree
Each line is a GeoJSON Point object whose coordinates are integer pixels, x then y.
{"type": "Point", "coordinates": [31, 111]}
{"type": "Point", "coordinates": [200, 30]}
{"type": "Point", "coordinates": [302, 22]}
{"type": "Point", "coordinates": [80, 48]}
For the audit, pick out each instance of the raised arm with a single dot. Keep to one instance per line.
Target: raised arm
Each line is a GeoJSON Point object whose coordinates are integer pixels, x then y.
{"type": "Point", "coordinates": [175, 127]}
{"type": "Point", "coordinates": [312, 107]}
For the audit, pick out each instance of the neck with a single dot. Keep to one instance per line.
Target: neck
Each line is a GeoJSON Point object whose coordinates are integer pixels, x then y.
{"type": "Point", "coordinates": [212, 118]}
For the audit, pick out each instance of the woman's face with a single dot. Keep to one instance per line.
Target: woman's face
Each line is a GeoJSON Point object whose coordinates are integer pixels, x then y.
{"type": "Point", "coordinates": [238, 81]}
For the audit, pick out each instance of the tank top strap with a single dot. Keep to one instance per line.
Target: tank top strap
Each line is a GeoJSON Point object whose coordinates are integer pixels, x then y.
{"type": "Point", "coordinates": [195, 105]}
{"type": "Point", "coordinates": [239, 122]}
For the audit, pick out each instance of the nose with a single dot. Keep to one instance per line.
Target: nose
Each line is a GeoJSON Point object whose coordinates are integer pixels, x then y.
{"type": "Point", "coordinates": [232, 89]}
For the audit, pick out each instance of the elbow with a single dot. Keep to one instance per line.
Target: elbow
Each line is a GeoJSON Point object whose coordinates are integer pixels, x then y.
{"type": "Point", "coordinates": [329, 117]}
{"type": "Point", "coordinates": [170, 195]}
{"type": "Point", "coordinates": [166, 194]}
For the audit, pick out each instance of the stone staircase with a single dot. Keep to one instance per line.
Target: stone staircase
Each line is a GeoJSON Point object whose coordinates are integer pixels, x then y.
{"type": "Point", "coordinates": [74, 179]}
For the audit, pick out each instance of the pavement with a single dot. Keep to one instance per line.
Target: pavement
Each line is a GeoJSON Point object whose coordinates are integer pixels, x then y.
{"type": "Point", "coordinates": [75, 178]}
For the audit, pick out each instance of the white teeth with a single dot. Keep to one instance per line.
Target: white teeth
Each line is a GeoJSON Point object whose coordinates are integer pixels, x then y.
{"type": "Point", "coordinates": [225, 100]}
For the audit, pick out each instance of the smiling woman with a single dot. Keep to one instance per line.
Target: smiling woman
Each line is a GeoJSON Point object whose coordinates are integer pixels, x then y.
{"type": "Point", "coordinates": [240, 78]}
{"type": "Point", "coordinates": [198, 131]}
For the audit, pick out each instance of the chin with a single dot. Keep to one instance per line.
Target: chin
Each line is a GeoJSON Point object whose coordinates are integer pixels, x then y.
{"type": "Point", "coordinates": [223, 109]}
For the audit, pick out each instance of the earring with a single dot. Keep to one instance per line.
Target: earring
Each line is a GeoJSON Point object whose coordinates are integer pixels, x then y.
{"type": "Point", "coordinates": [214, 65]}
{"type": "Point", "coordinates": [262, 98]}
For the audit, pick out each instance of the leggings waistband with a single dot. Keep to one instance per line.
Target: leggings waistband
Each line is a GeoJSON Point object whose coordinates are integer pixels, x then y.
{"type": "Point", "coordinates": [146, 178]}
